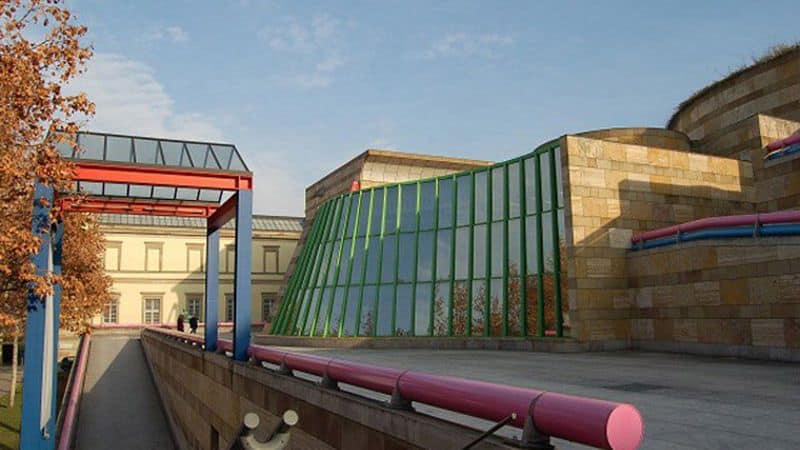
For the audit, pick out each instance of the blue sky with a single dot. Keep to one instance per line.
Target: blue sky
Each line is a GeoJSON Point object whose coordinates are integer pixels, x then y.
{"type": "Point", "coordinates": [302, 87]}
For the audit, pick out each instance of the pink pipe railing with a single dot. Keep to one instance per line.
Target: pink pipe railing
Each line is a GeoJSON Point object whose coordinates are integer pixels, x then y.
{"type": "Point", "coordinates": [720, 222]}
{"type": "Point", "coordinates": [171, 325]}
{"type": "Point", "coordinates": [597, 423]}
{"type": "Point", "coordinates": [68, 426]}
{"type": "Point", "coordinates": [791, 140]}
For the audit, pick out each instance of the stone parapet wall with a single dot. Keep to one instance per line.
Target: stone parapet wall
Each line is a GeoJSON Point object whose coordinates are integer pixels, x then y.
{"type": "Point", "coordinates": [777, 181]}
{"type": "Point", "coordinates": [613, 190]}
{"type": "Point", "coordinates": [739, 297]}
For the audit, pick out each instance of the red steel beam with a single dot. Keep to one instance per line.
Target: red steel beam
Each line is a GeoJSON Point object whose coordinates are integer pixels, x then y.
{"type": "Point", "coordinates": [162, 176]}
{"type": "Point", "coordinates": [139, 207]}
{"type": "Point", "coordinates": [223, 214]}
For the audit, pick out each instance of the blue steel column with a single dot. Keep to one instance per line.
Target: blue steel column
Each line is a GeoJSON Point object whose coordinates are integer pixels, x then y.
{"type": "Point", "coordinates": [212, 288]}
{"type": "Point", "coordinates": [32, 435]}
{"type": "Point", "coordinates": [243, 272]}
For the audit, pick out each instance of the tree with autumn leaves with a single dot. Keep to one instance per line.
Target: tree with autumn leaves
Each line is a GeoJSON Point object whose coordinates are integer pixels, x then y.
{"type": "Point", "coordinates": [40, 52]}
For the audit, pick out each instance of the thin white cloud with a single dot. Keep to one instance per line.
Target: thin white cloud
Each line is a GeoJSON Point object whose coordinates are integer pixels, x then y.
{"type": "Point", "coordinates": [130, 100]}
{"type": "Point", "coordinates": [465, 44]}
{"type": "Point", "coordinates": [313, 47]}
{"type": "Point", "coordinates": [172, 33]}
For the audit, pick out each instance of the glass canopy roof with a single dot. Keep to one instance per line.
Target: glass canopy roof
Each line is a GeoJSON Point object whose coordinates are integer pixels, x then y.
{"type": "Point", "coordinates": [135, 150]}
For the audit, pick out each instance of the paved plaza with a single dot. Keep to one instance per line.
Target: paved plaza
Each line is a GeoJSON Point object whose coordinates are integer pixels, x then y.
{"type": "Point", "coordinates": [686, 401]}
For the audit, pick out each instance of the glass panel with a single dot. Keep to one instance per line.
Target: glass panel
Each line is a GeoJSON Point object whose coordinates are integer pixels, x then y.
{"type": "Point", "coordinates": [462, 253]}
{"type": "Point", "coordinates": [372, 260]}
{"type": "Point", "coordinates": [385, 305]}
{"type": "Point", "coordinates": [163, 192]}
{"type": "Point", "coordinates": [464, 192]}
{"type": "Point", "coordinates": [358, 261]}
{"type": "Point", "coordinates": [91, 187]}
{"type": "Point", "coordinates": [186, 194]}
{"type": "Point", "coordinates": [513, 247]}
{"type": "Point", "coordinates": [498, 255]}
{"type": "Point", "coordinates": [546, 181]}
{"type": "Point", "coordinates": [391, 210]}
{"type": "Point", "coordinates": [445, 203]}
{"type": "Point", "coordinates": [480, 196]}
{"type": "Point", "coordinates": [498, 193]}
{"type": "Point", "coordinates": [323, 311]}
{"type": "Point", "coordinates": [333, 263]}
{"type": "Point", "coordinates": [532, 303]}
{"type": "Point", "coordinates": [91, 146]}
{"type": "Point", "coordinates": [514, 280]}
{"type": "Point", "coordinates": [209, 195]}
{"type": "Point", "coordinates": [324, 264]}
{"type": "Point", "coordinates": [352, 214]}
{"type": "Point", "coordinates": [351, 312]}
{"type": "Point", "coordinates": [198, 154]}
{"type": "Point", "coordinates": [425, 257]}
{"type": "Point", "coordinates": [460, 305]}
{"type": "Point", "coordinates": [441, 309]}
{"type": "Point", "coordinates": [408, 214]}
{"type": "Point", "coordinates": [496, 307]}
{"type": "Point", "coordinates": [478, 305]}
{"type": "Point", "coordinates": [377, 212]}
{"type": "Point", "coordinates": [119, 149]}
{"type": "Point", "coordinates": [236, 162]}
{"type": "Point", "coordinates": [146, 151]}
{"type": "Point", "coordinates": [387, 267]}
{"type": "Point", "coordinates": [367, 321]}
{"type": "Point", "coordinates": [530, 185]}
{"type": "Point", "coordinates": [141, 191]}
{"type": "Point", "coordinates": [427, 203]}
{"type": "Point", "coordinates": [406, 261]}
{"type": "Point", "coordinates": [311, 311]}
{"type": "Point", "coordinates": [531, 244]}
{"type": "Point", "coordinates": [172, 152]}
{"type": "Point", "coordinates": [547, 241]}
{"type": "Point", "coordinates": [64, 148]}
{"type": "Point", "coordinates": [363, 214]}
{"type": "Point", "coordinates": [336, 313]}
{"type": "Point", "coordinates": [513, 190]}
{"type": "Point", "coordinates": [422, 310]}
{"type": "Point", "coordinates": [443, 254]}
{"type": "Point", "coordinates": [344, 264]}
{"type": "Point", "coordinates": [403, 319]}
{"type": "Point", "coordinates": [559, 179]}
{"type": "Point", "coordinates": [479, 252]}
{"type": "Point", "coordinates": [115, 189]}
{"type": "Point", "coordinates": [223, 154]}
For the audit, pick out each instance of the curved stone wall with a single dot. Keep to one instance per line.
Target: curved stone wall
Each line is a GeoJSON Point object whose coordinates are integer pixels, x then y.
{"type": "Point", "coordinates": [648, 137]}
{"type": "Point", "coordinates": [770, 87]}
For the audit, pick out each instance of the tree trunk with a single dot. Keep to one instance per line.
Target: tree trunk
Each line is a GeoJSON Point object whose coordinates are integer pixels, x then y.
{"type": "Point", "coordinates": [14, 359]}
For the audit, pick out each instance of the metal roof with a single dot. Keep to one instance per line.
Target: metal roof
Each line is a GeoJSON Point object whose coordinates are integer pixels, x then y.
{"type": "Point", "coordinates": [260, 223]}
{"type": "Point", "coordinates": [140, 151]}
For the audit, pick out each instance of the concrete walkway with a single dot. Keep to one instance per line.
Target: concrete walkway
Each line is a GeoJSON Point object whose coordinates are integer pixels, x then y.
{"type": "Point", "coordinates": [687, 402]}
{"type": "Point", "coordinates": [120, 408]}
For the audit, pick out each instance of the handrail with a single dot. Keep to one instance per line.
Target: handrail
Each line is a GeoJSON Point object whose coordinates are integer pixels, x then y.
{"type": "Point", "coordinates": [68, 426]}
{"type": "Point", "coordinates": [598, 423]}
{"type": "Point", "coordinates": [755, 220]}
{"type": "Point", "coordinates": [785, 142]}
{"type": "Point", "coordinates": [170, 325]}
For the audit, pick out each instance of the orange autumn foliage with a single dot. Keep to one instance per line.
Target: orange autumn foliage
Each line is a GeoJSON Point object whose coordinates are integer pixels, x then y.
{"type": "Point", "coordinates": [32, 108]}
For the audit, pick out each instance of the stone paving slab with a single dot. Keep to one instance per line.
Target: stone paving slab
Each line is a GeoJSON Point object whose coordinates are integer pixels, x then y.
{"type": "Point", "coordinates": [686, 401]}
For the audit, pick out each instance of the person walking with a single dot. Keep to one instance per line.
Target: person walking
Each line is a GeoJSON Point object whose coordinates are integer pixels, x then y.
{"type": "Point", "coordinates": [180, 323]}
{"type": "Point", "coordinates": [193, 322]}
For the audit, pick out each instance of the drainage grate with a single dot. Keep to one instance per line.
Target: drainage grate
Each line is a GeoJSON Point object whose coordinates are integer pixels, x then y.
{"type": "Point", "coordinates": [635, 387]}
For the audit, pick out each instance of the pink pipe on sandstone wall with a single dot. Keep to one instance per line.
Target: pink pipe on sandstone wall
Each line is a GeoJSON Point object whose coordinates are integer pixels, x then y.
{"type": "Point", "coordinates": [593, 422]}
{"type": "Point", "coordinates": [68, 426]}
{"type": "Point", "coordinates": [720, 222]}
{"type": "Point", "coordinates": [791, 140]}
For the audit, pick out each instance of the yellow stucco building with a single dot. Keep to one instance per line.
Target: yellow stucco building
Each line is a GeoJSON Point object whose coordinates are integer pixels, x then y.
{"type": "Point", "coordinates": [157, 265]}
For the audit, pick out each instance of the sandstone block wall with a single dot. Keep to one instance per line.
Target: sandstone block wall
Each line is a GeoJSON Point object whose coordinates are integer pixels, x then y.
{"type": "Point", "coordinates": [613, 190]}
{"type": "Point", "coordinates": [738, 297]}
{"type": "Point", "coordinates": [778, 181]}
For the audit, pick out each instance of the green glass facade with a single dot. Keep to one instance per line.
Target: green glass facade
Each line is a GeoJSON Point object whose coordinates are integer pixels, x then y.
{"type": "Point", "coordinates": [475, 253]}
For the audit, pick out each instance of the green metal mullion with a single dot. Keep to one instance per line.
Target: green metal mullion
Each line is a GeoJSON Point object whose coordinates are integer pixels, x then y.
{"type": "Point", "coordinates": [349, 201]}
{"type": "Point", "coordinates": [396, 258]}
{"type": "Point", "coordinates": [487, 302]}
{"type": "Point", "coordinates": [328, 230]}
{"type": "Point", "coordinates": [435, 253]}
{"type": "Point", "coordinates": [343, 317]}
{"type": "Point", "coordinates": [364, 265]}
{"type": "Point", "coordinates": [319, 245]}
{"type": "Point", "coordinates": [539, 251]}
{"type": "Point", "coordinates": [556, 245]}
{"type": "Point", "coordinates": [336, 220]}
{"type": "Point", "coordinates": [452, 258]}
{"type": "Point", "coordinates": [380, 263]}
{"type": "Point", "coordinates": [416, 264]}
{"type": "Point", "coordinates": [505, 249]}
{"type": "Point", "coordinates": [300, 282]}
{"type": "Point", "coordinates": [470, 259]}
{"type": "Point", "coordinates": [523, 260]}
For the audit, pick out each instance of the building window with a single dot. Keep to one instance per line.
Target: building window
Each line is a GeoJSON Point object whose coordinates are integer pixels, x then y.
{"type": "Point", "coordinates": [113, 256]}
{"type": "Point", "coordinates": [152, 256]}
{"type": "Point", "coordinates": [111, 311]}
{"type": "Point", "coordinates": [228, 307]}
{"type": "Point", "coordinates": [270, 259]}
{"type": "Point", "coordinates": [194, 257]}
{"type": "Point", "coordinates": [194, 306]}
{"type": "Point", "coordinates": [230, 258]}
{"type": "Point", "coordinates": [152, 310]}
{"type": "Point", "coordinates": [267, 306]}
